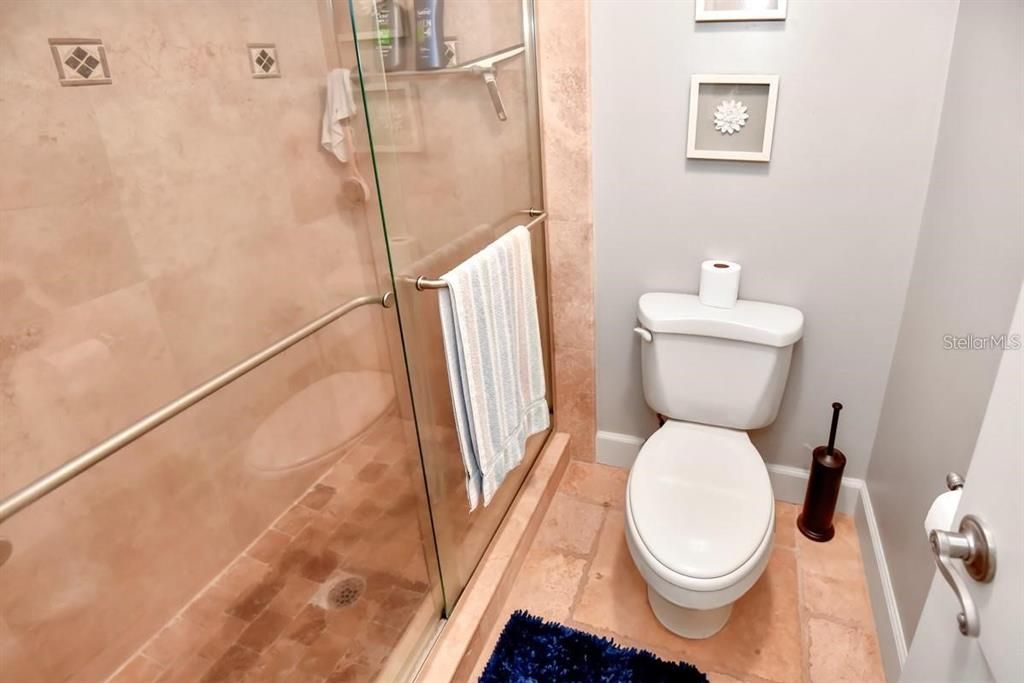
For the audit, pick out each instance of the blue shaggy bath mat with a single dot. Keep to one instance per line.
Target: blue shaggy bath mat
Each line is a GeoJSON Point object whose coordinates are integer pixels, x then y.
{"type": "Point", "coordinates": [531, 650]}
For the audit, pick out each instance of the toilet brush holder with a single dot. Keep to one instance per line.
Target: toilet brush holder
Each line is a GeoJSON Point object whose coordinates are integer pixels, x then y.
{"type": "Point", "coordinates": [827, 464]}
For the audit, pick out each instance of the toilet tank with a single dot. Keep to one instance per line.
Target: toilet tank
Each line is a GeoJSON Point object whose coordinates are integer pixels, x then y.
{"type": "Point", "coordinates": [718, 366]}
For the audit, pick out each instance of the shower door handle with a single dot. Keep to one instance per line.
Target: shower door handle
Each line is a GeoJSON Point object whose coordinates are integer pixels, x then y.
{"type": "Point", "coordinates": [492, 89]}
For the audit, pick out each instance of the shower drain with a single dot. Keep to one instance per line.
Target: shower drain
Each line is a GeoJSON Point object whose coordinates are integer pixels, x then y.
{"type": "Point", "coordinates": [345, 592]}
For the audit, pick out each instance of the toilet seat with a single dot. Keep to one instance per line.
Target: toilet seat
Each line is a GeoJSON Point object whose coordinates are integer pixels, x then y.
{"type": "Point", "coordinates": [699, 508]}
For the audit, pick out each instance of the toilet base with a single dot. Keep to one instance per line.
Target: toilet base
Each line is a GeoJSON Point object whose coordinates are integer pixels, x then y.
{"type": "Point", "coordinates": [695, 624]}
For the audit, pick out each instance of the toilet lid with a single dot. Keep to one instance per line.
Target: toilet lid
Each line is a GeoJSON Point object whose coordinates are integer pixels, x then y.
{"type": "Point", "coordinates": [700, 499]}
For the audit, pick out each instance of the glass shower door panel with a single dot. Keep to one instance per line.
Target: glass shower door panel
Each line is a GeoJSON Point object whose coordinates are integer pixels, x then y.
{"type": "Point", "coordinates": [455, 170]}
{"type": "Point", "coordinates": [154, 231]}
{"type": "Point", "coordinates": [251, 533]}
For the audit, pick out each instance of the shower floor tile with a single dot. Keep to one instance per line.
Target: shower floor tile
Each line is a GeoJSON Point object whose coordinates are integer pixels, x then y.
{"type": "Point", "coordinates": [808, 619]}
{"type": "Point", "coordinates": [272, 616]}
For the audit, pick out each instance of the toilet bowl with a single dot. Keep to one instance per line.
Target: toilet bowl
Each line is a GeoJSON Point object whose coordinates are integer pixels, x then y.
{"type": "Point", "coordinates": [700, 514]}
{"type": "Point", "coordinates": [700, 533]}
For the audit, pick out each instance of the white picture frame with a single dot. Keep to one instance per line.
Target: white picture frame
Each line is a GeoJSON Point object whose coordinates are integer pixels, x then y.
{"type": "Point", "coordinates": [750, 10]}
{"type": "Point", "coordinates": [753, 140]}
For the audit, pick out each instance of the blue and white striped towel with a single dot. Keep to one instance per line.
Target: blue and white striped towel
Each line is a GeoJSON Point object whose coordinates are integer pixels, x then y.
{"type": "Point", "coordinates": [495, 366]}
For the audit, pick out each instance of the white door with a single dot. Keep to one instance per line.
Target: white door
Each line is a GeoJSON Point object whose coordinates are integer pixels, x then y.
{"type": "Point", "coordinates": [993, 493]}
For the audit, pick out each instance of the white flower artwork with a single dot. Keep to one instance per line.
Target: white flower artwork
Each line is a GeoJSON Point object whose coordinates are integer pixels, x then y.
{"type": "Point", "coordinates": [730, 117]}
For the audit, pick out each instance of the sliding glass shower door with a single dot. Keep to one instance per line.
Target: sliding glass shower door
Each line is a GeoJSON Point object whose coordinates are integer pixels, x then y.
{"type": "Point", "coordinates": [167, 212]}
{"type": "Point", "coordinates": [176, 235]}
{"type": "Point", "coordinates": [456, 152]}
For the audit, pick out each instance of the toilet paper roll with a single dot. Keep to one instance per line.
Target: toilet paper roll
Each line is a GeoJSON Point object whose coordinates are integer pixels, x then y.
{"type": "Point", "coordinates": [943, 510]}
{"type": "Point", "coordinates": [719, 283]}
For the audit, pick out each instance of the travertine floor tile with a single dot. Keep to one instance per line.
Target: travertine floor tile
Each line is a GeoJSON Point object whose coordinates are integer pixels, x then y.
{"type": "Point", "coordinates": [762, 636]}
{"type": "Point", "coordinates": [269, 546]}
{"type": "Point", "coordinates": [140, 669]}
{"type": "Point", "coordinates": [785, 525]}
{"type": "Point", "coordinates": [277, 663]}
{"type": "Point", "coordinates": [188, 670]}
{"type": "Point", "coordinates": [722, 678]}
{"type": "Point", "coordinates": [222, 636]}
{"type": "Point", "coordinates": [840, 654]}
{"type": "Point", "coordinates": [843, 600]}
{"type": "Point", "coordinates": [839, 557]}
{"type": "Point", "coordinates": [832, 577]}
{"type": "Point", "coordinates": [177, 639]}
{"type": "Point", "coordinates": [547, 583]}
{"type": "Point", "coordinates": [269, 619]}
{"type": "Point", "coordinates": [571, 525]}
{"type": "Point", "coordinates": [596, 483]}
{"type": "Point", "coordinates": [614, 597]}
{"type": "Point", "coordinates": [763, 640]}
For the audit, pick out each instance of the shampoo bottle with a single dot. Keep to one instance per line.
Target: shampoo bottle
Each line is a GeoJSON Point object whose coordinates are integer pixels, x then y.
{"type": "Point", "coordinates": [391, 34]}
{"type": "Point", "coordinates": [429, 34]}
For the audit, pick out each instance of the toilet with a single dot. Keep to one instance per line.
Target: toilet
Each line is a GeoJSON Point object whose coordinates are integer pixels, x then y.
{"type": "Point", "coordinates": [700, 513]}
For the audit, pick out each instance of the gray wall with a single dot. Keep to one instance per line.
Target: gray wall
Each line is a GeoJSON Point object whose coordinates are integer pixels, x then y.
{"type": "Point", "coordinates": [966, 278]}
{"type": "Point", "coordinates": [828, 226]}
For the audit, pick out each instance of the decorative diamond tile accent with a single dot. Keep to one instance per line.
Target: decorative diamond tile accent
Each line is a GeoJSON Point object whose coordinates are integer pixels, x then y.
{"type": "Point", "coordinates": [80, 61]}
{"type": "Point", "coordinates": [263, 60]}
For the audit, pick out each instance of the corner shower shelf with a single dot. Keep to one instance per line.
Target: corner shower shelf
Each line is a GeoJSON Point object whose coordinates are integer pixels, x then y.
{"type": "Point", "coordinates": [485, 67]}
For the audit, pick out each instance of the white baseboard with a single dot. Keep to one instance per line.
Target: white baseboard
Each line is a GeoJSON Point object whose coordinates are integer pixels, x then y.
{"type": "Point", "coordinates": [617, 449]}
{"type": "Point", "coordinates": [790, 484]}
{"type": "Point", "coordinates": [891, 641]}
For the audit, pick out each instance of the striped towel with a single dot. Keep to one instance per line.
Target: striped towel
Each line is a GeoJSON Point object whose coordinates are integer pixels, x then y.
{"type": "Point", "coordinates": [495, 366]}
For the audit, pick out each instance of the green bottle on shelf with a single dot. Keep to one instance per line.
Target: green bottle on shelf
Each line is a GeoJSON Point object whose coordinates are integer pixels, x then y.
{"type": "Point", "coordinates": [391, 34]}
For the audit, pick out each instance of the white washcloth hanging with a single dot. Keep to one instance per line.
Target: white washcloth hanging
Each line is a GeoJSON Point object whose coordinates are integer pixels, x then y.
{"type": "Point", "coordinates": [339, 106]}
{"type": "Point", "coordinates": [495, 366]}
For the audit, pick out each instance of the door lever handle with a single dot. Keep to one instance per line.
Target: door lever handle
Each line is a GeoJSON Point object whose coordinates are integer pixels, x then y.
{"type": "Point", "coordinates": [973, 545]}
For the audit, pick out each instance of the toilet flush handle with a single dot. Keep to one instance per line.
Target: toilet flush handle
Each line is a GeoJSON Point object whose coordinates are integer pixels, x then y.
{"type": "Point", "coordinates": [644, 334]}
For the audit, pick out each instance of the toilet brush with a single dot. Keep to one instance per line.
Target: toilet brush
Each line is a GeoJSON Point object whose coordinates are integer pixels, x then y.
{"type": "Point", "coordinates": [815, 520]}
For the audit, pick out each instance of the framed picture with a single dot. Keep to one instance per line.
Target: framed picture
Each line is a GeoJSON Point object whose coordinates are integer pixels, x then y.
{"type": "Point", "coordinates": [394, 116]}
{"type": "Point", "coordinates": [731, 117]}
{"type": "Point", "coordinates": [740, 10]}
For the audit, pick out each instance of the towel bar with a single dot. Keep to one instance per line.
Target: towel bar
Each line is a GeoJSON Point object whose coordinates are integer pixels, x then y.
{"type": "Point", "coordinates": [422, 283]}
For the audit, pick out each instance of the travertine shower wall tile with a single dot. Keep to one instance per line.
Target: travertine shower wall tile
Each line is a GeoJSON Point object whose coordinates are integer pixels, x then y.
{"type": "Point", "coordinates": [243, 299]}
{"type": "Point", "coordinates": [575, 391]}
{"type": "Point", "coordinates": [69, 381]}
{"type": "Point", "coordinates": [562, 30]}
{"type": "Point", "coordinates": [193, 178]}
{"type": "Point", "coordinates": [314, 176]}
{"type": "Point", "coordinates": [293, 28]}
{"type": "Point", "coordinates": [572, 293]}
{"type": "Point", "coordinates": [564, 60]}
{"type": "Point", "coordinates": [54, 136]}
{"type": "Point", "coordinates": [34, 239]}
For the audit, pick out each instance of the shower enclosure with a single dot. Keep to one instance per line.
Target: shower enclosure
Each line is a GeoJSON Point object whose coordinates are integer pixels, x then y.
{"type": "Point", "coordinates": [227, 450]}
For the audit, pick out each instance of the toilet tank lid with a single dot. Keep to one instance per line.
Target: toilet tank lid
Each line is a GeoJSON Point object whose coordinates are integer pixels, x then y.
{"type": "Point", "coordinates": [750, 321]}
